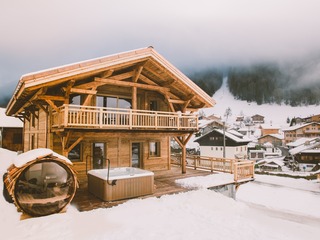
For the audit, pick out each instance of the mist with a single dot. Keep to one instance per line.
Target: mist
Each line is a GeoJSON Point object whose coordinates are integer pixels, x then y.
{"type": "Point", "coordinates": [192, 35]}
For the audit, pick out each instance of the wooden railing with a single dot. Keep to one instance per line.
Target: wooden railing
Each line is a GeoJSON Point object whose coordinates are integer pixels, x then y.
{"type": "Point", "coordinates": [241, 169]}
{"type": "Point", "coordinates": [78, 116]}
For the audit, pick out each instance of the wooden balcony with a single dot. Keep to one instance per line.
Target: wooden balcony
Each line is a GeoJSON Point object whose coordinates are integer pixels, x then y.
{"type": "Point", "coordinates": [90, 117]}
{"type": "Point", "coordinates": [242, 170]}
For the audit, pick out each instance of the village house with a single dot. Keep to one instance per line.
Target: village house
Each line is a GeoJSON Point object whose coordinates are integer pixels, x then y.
{"type": "Point", "coordinates": [257, 119]}
{"type": "Point", "coordinates": [269, 129]}
{"type": "Point", "coordinates": [275, 139]}
{"type": "Point", "coordinates": [307, 130]}
{"type": "Point", "coordinates": [11, 131]}
{"type": "Point", "coordinates": [212, 144]}
{"type": "Point", "coordinates": [124, 108]}
{"type": "Point", "coordinates": [307, 155]}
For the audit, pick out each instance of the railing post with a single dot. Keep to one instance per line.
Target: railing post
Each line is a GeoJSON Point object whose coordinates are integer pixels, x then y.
{"type": "Point", "coordinates": [100, 117]}
{"type": "Point", "coordinates": [66, 113]}
{"type": "Point", "coordinates": [156, 120]}
{"type": "Point", "coordinates": [235, 172]}
{"type": "Point", "coordinates": [211, 160]}
{"type": "Point", "coordinates": [130, 118]}
{"type": "Point", "coordinates": [195, 158]}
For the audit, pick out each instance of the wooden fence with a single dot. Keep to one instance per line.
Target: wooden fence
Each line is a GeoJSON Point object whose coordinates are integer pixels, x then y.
{"type": "Point", "coordinates": [241, 169]}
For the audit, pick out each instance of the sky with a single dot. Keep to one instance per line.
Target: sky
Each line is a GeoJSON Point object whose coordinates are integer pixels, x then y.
{"type": "Point", "coordinates": [192, 35]}
{"type": "Point", "coordinates": [277, 208]}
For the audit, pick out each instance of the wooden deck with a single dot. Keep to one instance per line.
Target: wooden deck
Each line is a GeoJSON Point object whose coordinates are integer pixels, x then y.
{"type": "Point", "coordinates": [164, 184]}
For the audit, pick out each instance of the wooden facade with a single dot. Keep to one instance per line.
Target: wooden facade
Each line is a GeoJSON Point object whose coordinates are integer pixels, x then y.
{"type": "Point", "coordinates": [124, 107]}
{"type": "Point", "coordinates": [308, 130]}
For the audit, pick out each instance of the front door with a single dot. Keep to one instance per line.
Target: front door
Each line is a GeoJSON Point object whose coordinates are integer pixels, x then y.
{"type": "Point", "coordinates": [136, 158]}
{"type": "Point", "coordinates": [99, 156]}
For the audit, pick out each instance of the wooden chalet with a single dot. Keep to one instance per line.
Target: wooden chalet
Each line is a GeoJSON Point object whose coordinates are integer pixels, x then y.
{"type": "Point", "coordinates": [123, 107]}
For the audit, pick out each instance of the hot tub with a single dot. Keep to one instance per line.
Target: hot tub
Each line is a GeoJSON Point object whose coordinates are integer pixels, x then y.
{"type": "Point", "coordinates": [125, 182]}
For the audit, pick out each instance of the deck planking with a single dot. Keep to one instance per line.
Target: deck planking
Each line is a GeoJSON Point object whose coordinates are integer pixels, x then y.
{"type": "Point", "coordinates": [164, 182]}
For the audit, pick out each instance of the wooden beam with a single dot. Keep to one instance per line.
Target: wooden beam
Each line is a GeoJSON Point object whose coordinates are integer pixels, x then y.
{"type": "Point", "coordinates": [122, 76]}
{"type": "Point", "coordinates": [75, 144]}
{"type": "Point", "coordinates": [169, 103]}
{"type": "Point", "coordinates": [178, 101]}
{"type": "Point", "coordinates": [167, 83]}
{"type": "Point", "coordinates": [131, 84]}
{"type": "Point", "coordinates": [147, 80]}
{"type": "Point", "coordinates": [52, 105]}
{"type": "Point", "coordinates": [137, 74]}
{"type": "Point", "coordinates": [88, 98]}
{"type": "Point", "coordinates": [52, 98]}
{"type": "Point", "coordinates": [83, 91]}
{"type": "Point", "coordinates": [107, 74]}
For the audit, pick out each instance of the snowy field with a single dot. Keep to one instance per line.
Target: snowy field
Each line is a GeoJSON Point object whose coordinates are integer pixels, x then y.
{"type": "Point", "coordinates": [270, 208]}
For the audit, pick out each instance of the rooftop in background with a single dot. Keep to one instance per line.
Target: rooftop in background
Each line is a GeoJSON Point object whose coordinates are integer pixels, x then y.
{"type": "Point", "coordinates": [9, 122]}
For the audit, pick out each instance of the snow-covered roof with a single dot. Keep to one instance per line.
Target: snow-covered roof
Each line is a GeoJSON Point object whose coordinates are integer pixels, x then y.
{"type": "Point", "coordinates": [6, 121]}
{"type": "Point", "coordinates": [300, 141]}
{"type": "Point", "coordinates": [295, 127]}
{"type": "Point", "coordinates": [302, 148]}
{"type": "Point", "coordinates": [269, 126]}
{"type": "Point", "coordinates": [228, 135]}
{"type": "Point", "coordinates": [275, 135]}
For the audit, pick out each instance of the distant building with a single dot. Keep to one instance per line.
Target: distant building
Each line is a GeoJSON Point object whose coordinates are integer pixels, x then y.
{"type": "Point", "coordinates": [269, 129]}
{"type": "Point", "coordinates": [211, 144]}
{"type": "Point", "coordinates": [257, 118]}
{"type": "Point", "coordinates": [275, 139]}
{"type": "Point", "coordinates": [307, 130]}
{"type": "Point", "coordinates": [11, 130]}
{"type": "Point", "coordinates": [307, 155]}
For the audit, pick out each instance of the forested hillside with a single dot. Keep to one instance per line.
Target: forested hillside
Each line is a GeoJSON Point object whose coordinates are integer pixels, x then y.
{"type": "Point", "coordinates": [294, 83]}
{"type": "Point", "coordinates": [208, 80]}
{"type": "Point", "coordinates": [269, 83]}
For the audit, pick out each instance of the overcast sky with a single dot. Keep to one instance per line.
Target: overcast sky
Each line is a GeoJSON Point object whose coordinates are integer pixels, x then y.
{"type": "Point", "coordinates": [39, 34]}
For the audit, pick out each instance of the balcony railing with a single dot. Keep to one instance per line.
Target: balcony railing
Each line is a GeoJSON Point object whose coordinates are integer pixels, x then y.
{"type": "Point", "coordinates": [77, 116]}
{"type": "Point", "coordinates": [242, 170]}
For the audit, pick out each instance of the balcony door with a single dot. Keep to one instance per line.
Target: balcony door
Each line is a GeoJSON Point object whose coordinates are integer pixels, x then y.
{"type": "Point", "coordinates": [98, 156]}
{"type": "Point", "coordinates": [113, 102]}
{"type": "Point", "coordinates": [136, 154]}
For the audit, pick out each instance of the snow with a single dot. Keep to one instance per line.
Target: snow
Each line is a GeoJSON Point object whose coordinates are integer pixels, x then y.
{"type": "Point", "coordinates": [31, 155]}
{"type": "Point", "coordinates": [6, 121]}
{"type": "Point", "coordinates": [269, 208]}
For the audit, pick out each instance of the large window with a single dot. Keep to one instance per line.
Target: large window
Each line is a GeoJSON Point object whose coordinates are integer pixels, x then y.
{"type": "Point", "coordinates": [154, 149]}
{"type": "Point", "coordinates": [113, 102]}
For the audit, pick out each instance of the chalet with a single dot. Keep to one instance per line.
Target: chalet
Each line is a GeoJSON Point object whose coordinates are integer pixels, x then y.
{"type": "Point", "coordinates": [274, 165]}
{"type": "Point", "coordinates": [269, 129]}
{"type": "Point", "coordinates": [257, 118]}
{"type": "Point", "coordinates": [124, 107]}
{"type": "Point", "coordinates": [299, 120]}
{"type": "Point", "coordinates": [11, 130]}
{"type": "Point", "coordinates": [212, 145]}
{"type": "Point", "coordinates": [275, 139]}
{"type": "Point", "coordinates": [307, 130]}
{"type": "Point", "coordinates": [307, 155]}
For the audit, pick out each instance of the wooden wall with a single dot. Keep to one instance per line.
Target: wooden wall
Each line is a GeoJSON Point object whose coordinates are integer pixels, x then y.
{"type": "Point", "coordinates": [12, 139]}
{"type": "Point", "coordinates": [118, 148]}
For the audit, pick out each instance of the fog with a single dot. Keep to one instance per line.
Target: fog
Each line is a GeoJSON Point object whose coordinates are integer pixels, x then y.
{"type": "Point", "coordinates": [192, 35]}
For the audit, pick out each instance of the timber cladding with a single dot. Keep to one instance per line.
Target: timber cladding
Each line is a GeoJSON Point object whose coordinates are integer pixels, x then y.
{"type": "Point", "coordinates": [118, 149]}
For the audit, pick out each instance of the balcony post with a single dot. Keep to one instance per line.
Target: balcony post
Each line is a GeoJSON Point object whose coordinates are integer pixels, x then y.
{"type": "Point", "coordinates": [100, 117]}
{"type": "Point", "coordinates": [66, 113]}
{"type": "Point", "coordinates": [130, 118]}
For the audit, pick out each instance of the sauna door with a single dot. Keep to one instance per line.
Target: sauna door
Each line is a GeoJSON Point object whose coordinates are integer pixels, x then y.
{"type": "Point", "coordinates": [136, 158]}
{"type": "Point", "coordinates": [98, 160]}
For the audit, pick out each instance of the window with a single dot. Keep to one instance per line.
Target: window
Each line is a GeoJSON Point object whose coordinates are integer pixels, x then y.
{"type": "Point", "coordinates": [75, 154]}
{"type": "Point", "coordinates": [75, 100]}
{"type": "Point", "coordinates": [154, 149]}
{"type": "Point", "coordinates": [113, 102]}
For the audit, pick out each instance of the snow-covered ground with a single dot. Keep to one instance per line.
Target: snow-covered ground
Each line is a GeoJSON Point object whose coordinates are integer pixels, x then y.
{"type": "Point", "coordinates": [273, 113]}
{"type": "Point", "coordinates": [270, 208]}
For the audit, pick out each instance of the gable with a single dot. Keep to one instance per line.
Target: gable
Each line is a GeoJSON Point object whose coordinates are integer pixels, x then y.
{"type": "Point", "coordinates": [143, 68]}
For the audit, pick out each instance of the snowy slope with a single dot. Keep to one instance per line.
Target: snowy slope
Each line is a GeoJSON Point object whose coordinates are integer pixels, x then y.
{"type": "Point", "coordinates": [277, 114]}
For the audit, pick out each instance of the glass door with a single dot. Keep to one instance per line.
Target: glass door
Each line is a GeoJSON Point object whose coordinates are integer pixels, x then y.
{"type": "Point", "coordinates": [99, 156]}
{"type": "Point", "coordinates": [136, 154]}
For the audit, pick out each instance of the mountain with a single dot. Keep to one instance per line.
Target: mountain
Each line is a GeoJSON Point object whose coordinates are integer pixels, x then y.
{"type": "Point", "coordinates": [273, 113]}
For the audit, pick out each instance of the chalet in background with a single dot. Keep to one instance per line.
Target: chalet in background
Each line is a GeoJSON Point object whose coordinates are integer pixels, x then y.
{"type": "Point", "coordinates": [11, 132]}
{"type": "Point", "coordinates": [123, 107]}
{"type": "Point", "coordinates": [307, 130]}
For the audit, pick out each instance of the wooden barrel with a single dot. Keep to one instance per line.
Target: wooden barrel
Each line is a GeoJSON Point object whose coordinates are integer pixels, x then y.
{"type": "Point", "coordinates": [43, 186]}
